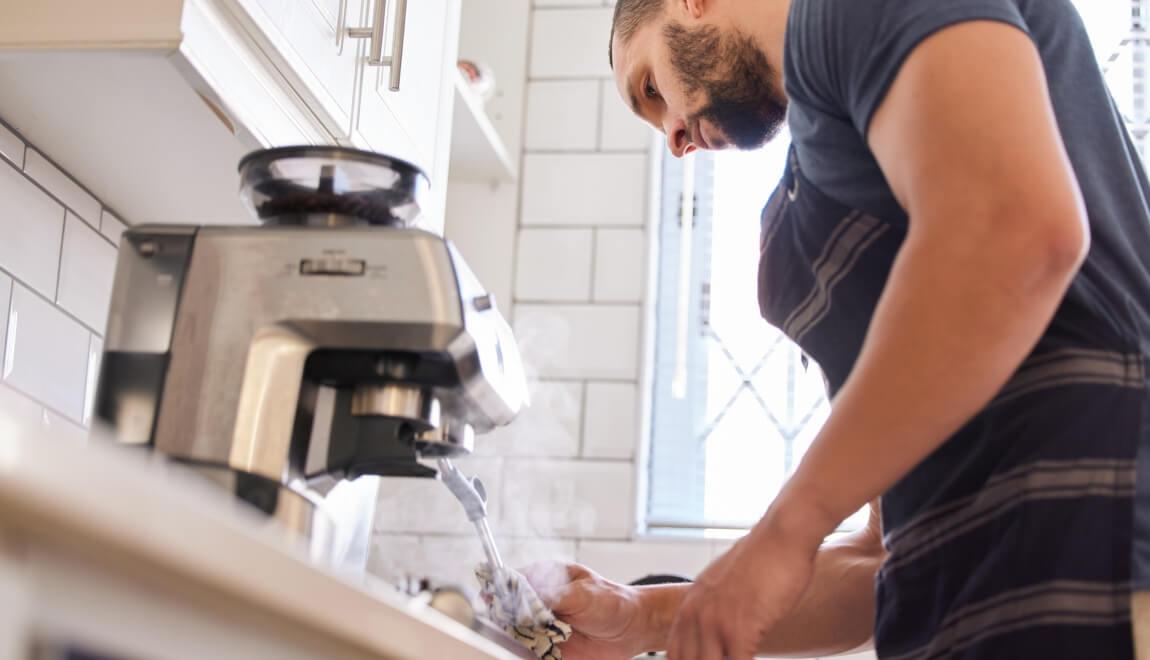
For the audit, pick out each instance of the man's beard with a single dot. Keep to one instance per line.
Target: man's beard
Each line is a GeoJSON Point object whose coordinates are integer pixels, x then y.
{"type": "Point", "coordinates": [736, 79]}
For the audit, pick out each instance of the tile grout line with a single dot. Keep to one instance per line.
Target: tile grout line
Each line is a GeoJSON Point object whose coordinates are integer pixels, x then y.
{"type": "Point", "coordinates": [519, 183]}
{"type": "Point", "coordinates": [30, 289]}
{"type": "Point", "coordinates": [5, 320]}
{"type": "Point", "coordinates": [45, 406]}
{"type": "Point", "coordinates": [60, 259]}
{"type": "Point", "coordinates": [551, 151]}
{"type": "Point", "coordinates": [599, 123]}
{"type": "Point", "coordinates": [61, 202]}
{"type": "Point", "coordinates": [582, 455]}
{"type": "Point", "coordinates": [28, 146]}
{"type": "Point", "coordinates": [591, 293]}
{"type": "Point", "coordinates": [575, 303]}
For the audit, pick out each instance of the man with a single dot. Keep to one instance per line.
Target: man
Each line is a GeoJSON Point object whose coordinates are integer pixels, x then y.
{"type": "Point", "coordinates": [962, 241]}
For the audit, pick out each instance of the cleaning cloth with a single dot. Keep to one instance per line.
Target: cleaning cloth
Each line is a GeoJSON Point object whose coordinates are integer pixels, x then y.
{"type": "Point", "coordinates": [515, 607]}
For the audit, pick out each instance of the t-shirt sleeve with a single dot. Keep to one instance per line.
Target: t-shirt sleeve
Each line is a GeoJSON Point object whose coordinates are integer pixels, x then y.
{"type": "Point", "coordinates": [869, 40]}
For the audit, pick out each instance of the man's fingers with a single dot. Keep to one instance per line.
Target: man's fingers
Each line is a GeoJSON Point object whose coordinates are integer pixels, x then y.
{"type": "Point", "coordinates": [551, 578]}
{"type": "Point", "coordinates": [737, 647]}
{"type": "Point", "coordinates": [569, 601]}
{"type": "Point", "coordinates": [684, 636]}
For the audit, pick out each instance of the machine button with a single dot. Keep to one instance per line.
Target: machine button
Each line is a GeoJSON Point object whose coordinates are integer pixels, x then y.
{"type": "Point", "coordinates": [331, 266]}
{"type": "Point", "coordinates": [484, 302]}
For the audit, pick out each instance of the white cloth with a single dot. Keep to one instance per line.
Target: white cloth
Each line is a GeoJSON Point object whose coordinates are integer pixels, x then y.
{"type": "Point", "coordinates": [515, 607]}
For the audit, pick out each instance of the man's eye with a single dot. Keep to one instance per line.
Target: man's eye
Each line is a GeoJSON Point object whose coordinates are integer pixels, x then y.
{"type": "Point", "coordinates": [650, 91]}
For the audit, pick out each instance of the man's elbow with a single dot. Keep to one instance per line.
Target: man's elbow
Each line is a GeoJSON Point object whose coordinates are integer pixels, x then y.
{"type": "Point", "coordinates": [1050, 244]}
{"type": "Point", "coordinates": [1068, 242]}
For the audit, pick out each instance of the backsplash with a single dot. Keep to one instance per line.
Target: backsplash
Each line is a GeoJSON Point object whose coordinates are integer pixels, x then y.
{"type": "Point", "coordinates": [57, 261]}
{"type": "Point", "coordinates": [566, 253]}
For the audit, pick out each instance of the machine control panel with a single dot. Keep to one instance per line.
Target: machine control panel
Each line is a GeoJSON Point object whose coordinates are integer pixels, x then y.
{"type": "Point", "coordinates": [333, 266]}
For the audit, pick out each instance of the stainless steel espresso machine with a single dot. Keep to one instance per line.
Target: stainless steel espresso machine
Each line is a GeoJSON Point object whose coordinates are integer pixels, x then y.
{"type": "Point", "coordinates": [285, 361]}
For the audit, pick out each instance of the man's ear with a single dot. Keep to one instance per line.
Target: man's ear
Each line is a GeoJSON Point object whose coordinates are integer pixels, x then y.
{"type": "Point", "coordinates": [695, 8]}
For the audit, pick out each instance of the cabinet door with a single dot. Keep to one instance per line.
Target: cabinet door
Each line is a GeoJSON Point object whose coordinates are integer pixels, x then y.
{"type": "Point", "coordinates": [301, 38]}
{"type": "Point", "coordinates": [415, 106]}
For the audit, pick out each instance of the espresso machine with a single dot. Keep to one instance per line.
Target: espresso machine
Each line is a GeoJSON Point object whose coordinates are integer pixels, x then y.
{"type": "Point", "coordinates": [290, 362]}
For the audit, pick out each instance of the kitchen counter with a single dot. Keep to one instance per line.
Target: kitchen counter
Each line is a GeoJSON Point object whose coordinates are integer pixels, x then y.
{"type": "Point", "coordinates": [103, 549]}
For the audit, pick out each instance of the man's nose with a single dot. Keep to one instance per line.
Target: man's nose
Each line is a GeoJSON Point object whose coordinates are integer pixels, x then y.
{"type": "Point", "coordinates": [678, 141]}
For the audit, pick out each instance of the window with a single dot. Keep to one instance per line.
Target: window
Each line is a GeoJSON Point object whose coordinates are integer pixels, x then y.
{"type": "Point", "coordinates": [735, 404]}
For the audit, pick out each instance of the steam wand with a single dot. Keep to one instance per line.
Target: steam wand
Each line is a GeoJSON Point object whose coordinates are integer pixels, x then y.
{"type": "Point", "coordinates": [473, 497]}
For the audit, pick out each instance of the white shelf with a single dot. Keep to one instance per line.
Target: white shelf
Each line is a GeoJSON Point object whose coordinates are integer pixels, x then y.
{"type": "Point", "coordinates": [477, 151]}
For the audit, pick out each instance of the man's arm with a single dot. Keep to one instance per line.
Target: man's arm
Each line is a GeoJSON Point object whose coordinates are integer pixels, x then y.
{"type": "Point", "coordinates": [835, 616]}
{"type": "Point", "coordinates": [968, 140]}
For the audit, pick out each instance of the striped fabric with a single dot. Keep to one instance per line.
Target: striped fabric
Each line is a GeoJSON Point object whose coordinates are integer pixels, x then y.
{"type": "Point", "coordinates": [1014, 539]}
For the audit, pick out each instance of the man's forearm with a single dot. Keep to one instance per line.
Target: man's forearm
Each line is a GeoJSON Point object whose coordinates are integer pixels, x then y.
{"type": "Point", "coordinates": [836, 614]}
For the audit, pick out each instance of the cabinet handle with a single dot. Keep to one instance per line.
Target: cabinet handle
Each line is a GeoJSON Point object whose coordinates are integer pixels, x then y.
{"type": "Point", "coordinates": [396, 59]}
{"type": "Point", "coordinates": [375, 55]}
{"type": "Point", "coordinates": [341, 26]}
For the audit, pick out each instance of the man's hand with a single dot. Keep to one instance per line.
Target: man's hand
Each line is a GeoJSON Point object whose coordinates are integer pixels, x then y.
{"type": "Point", "coordinates": [606, 616]}
{"type": "Point", "coordinates": [743, 595]}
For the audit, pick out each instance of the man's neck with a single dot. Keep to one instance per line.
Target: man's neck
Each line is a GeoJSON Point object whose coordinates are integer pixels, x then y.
{"type": "Point", "coordinates": [766, 23]}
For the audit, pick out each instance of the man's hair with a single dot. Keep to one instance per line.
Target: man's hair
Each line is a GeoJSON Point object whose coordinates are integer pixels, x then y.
{"type": "Point", "coordinates": [630, 15]}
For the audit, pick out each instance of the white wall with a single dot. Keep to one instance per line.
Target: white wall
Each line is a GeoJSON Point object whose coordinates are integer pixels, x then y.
{"type": "Point", "coordinates": [565, 253]}
{"type": "Point", "coordinates": [57, 258]}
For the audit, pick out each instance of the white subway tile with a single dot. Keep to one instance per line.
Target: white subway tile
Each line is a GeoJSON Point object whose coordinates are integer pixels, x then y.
{"type": "Point", "coordinates": [33, 226]}
{"type": "Point", "coordinates": [585, 189]}
{"type": "Point", "coordinates": [87, 269]}
{"type": "Point", "coordinates": [562, 114]}
{"type": "Point", "coordinates": [554, 265]}
{"type": "Point", "coordinates": [425, 506]}
{"type": "Point", "coordinates": [64, 429]}
{"type": "Point", "coordinates": [63, 187]}
{"type": "Point", "coordinates": [568, 499]}
{"type": "Point", "coordinates": [20, 415]}
{"type": "Point", "coordinates": [628, 561]}
{"type": "Point", "coordinates": [579, 341]}
{"type": "Point", "coordinates": [619, 128]}
{"type": "Point", "coordinates": [111, 226]}
{"type": "Point", "coordinates": [11, 146]}
{"type": "Point", "coordinates": [570, 43]}
{"type": "Point", "coordinates": [482, 221]}
{"type": "Point", "coordinates": [620, 265]}
{"type": "Point", "coordinates": [5, 302]}
{"type": "Point", "coordinates": [46, 355]}
{"type": "Point", "coordinates": [393, 556]}
{"type": "Point", "coordinates": [449, 559]}
{"type": "Point", "coordinates": [548, 427]}
{"type": "Point", "coordinates": [95, 358]}
{"type": "Point", "coordinates": [611, 423]}
{"type": "Point", "coordinates": [520, 553]}
{"type": "Point", "coordinates": [720, 547]}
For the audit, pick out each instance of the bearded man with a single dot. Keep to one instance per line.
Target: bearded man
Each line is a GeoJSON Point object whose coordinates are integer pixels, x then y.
{"type": "Point", "coordinates": [962, 242]}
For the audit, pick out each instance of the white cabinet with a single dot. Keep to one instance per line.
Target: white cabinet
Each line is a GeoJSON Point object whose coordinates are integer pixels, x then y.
{"type": "Point", "coordinates": [413, 122]}
{"type": "Point", "coordinates": [199, 82]}
{"type": "Point", "coordinates": [304, 35]}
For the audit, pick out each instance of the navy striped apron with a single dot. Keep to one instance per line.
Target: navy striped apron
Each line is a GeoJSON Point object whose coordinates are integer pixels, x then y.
{"type": "Point", "coordinates": [1015, 539]}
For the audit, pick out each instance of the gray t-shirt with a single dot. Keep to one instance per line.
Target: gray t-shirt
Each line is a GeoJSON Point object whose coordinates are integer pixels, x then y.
{"type": "Point", "coordinates": [841, 58]}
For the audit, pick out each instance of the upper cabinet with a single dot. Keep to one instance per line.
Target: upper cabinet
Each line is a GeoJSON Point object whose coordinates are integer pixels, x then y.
{"type": "Point", "coordinates": [406, 102]}
{"type": "Point", "coordinates": [175, 91]}
{"type": "Point", "coordinates": [305, 36]}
